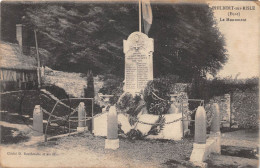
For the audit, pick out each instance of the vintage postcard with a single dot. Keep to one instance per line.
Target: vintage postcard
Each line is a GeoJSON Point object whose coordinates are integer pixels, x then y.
{"type": "Point", "coordinates": [129, 83]}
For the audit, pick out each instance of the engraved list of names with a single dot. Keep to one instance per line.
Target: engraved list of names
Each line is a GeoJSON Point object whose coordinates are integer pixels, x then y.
{"type": "Point", "coordinates": [138, 49]}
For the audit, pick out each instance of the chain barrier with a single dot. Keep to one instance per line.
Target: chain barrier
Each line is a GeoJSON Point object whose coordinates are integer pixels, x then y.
{"type": "Point", "coordinates": [67, 117]}
{"type": "Point", "coordinates": [159, 97]}
{"type": "Point", "coordinates": [176, 120]}
{"type": "Point", "coordinates": [56, 117]}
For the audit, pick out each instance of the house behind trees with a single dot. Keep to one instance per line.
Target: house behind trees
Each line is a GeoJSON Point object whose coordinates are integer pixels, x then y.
{"type": "Point", "coordinates": [18, 64]}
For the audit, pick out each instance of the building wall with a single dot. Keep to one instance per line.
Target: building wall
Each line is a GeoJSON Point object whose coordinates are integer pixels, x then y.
{"type": "Point", "coordinates": [17, 79]}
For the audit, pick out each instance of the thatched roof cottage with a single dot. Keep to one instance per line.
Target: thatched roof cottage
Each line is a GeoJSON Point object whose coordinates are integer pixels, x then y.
{"type": "Point", "coordinates": [18, 64]}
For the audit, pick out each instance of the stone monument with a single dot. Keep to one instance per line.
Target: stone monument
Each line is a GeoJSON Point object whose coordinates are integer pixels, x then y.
{"type": "Point", "coordinates": [138, 49]}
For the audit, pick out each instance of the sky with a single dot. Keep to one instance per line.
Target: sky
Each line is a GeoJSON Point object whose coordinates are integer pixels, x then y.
{"type": "Point", "coordinates": [242, 39]}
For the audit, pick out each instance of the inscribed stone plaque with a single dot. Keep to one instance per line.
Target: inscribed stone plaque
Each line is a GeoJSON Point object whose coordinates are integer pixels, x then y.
{"type": "Point", "coordinates": [138, 49]}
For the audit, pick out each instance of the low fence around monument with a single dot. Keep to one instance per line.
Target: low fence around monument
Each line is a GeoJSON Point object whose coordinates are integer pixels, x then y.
{"type": "Point", "coordinates": [70, 118]}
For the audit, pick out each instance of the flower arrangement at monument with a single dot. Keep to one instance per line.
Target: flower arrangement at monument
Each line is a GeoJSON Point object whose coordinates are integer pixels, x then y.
{"type": "Point", "coordinates": [154, 101]}
{"type": "Point", "coordinates": [157, 97]}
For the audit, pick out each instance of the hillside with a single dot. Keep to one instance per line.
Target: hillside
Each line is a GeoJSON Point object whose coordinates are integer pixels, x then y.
{"type": "Point", "coordinates": [72, 83]}
{"type": "Point", "coordinates": [89, 36]}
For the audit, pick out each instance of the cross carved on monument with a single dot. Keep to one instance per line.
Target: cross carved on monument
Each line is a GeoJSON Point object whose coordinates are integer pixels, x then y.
{"type": "Point", "coordinates": [137, 46]}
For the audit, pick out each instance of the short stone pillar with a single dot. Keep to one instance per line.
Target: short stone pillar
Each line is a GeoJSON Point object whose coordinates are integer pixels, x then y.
{"type": "Point", "coordinates": [37, 123]}
{"type": "Point", "coordinates": [200, 126]}
{"type": "Point", "coordinates": [112, 141]}
{"type": "Point", "coordinates": [200, 151]}
{"type": "Point", "coordinates": [173, 109]}
{"type": "Point", "coordinates": [215, 125]}
{"type": "Point", "coordinates": [215, 128]}
{"type": "Point", "coordinates": [202, 147]}
{"type": "Point", "coordinates": [81, 118]}
{"type": "Point", "coordinates": [226, 110]}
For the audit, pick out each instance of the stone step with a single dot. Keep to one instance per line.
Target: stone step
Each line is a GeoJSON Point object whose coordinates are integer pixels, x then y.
{"type": "Point", "coordinates": [222, 161]}
{"type": "Point", "coordinates": [239, 142]}
{"type": "Point", "coordinates": [238, 151]}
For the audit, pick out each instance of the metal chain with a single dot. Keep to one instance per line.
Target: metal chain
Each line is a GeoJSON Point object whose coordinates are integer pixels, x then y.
{"type": "Point", "coordinates": [56, 117]}
{"type": "Point", "coordinates": [136, 120]}
{"type": "Point", "coordinates": [158, 97]}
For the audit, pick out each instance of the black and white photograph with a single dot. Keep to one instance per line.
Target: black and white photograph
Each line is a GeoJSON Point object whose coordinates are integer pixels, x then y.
{"type": "Point", "coordinates": [129, 84]}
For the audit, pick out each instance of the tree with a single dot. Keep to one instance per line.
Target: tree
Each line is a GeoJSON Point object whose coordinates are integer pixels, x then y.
{"type": "Point", "coordinates": [89, 91]}
{"type": "Point", "coordinates": [189, 43]}
{"type": "Point", "coordinates": [84, 36]}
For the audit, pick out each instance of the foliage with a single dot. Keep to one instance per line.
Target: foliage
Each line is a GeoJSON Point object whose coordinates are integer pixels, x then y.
{"type": "Point", "coordinates": [113, 85]}
{"type": "Point", "coordinates": [134, 134]}
{"type": "Point", "coordinates": [83, 36]}
{"type": "Point", "coordinates": [157, 128]}
{"type": "Point", "coordinates": [56, 91]}
{"type": "Point", "coordinates": [207, 89]}
{"type": "Point", "coordinates": [209, 114]}
{"type": "Point", "coordinates": [130, 104]}
{"type": "Point", "coordinates": [244, 99]}
{"type": "Point", "coordinates": [246, 109]}
{"type": "Point", "coordinates": [157, 96]}
{"type": "Point", "coordinates": [194, 47]}
{"type": "Point", "coordinates": [97, 109]}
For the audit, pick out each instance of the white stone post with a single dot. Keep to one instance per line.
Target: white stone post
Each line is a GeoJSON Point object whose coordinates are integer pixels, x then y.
{"type": "Point", "coordinates": [215, 128]}
{"type": "Point", "coordinates": [202, 147]}
{"type": "Point", "coordinates": [226, 111]}
{"type": "Point", "coordinates": [215, 125]}
{"type": "Point", "coordinates": [200, 126]}
{"type": "Point", "coordinates": [38, 123]}
{"type": "Point", "coordinates": [198, 154]}
{"type": "Point", "coordinates": [173, 109]}
{"type": "Point", "coordinates": [81, 118]}
{"type": "Point", "coordinates": [112, 141]}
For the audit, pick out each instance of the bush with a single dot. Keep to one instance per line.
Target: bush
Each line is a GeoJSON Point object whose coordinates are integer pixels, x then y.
{"type": "Point", "coordinates": [57, 91]}
{"type": "Point", "coordinates": [129, 104]}
{"type": "Point", "coordinates": [207, 89]}
{"type": "Point", "coordinates": [113, 85]}
{"type": "Point", "coordinates": [157, 96]}
{"type": "Point", "coordinates": [245, 109]}
{"type": "Point", "coordinates": [89, 91]}
{"type": "Point", "coordinates": [244, 100]}
{"type": "Point", "coordinates": [97, 109]}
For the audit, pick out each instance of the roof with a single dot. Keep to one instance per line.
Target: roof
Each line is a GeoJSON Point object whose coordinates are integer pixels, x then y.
{"type": "Point", "coordinates": [12, 58]}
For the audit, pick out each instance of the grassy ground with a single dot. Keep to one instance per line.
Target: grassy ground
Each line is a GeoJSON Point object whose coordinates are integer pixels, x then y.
{"type": "Point", "coordinates": [15, 128]}
{"type": "Point", "coordinates": [85, 150]}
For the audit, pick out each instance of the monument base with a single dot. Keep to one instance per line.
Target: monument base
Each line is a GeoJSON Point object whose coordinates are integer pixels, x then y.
{"type": "Point", "coordinates": [186, 132]}
{"type": "Point", "coordinates": [82, 129]}
{"type": "Point", "coordinates": [112, 144]}
{"type": "Point", "coordinates": [201, 152]}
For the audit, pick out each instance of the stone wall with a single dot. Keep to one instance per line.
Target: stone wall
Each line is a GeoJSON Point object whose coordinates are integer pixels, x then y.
{"type": "Point", "coordinates": [245, 109]}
